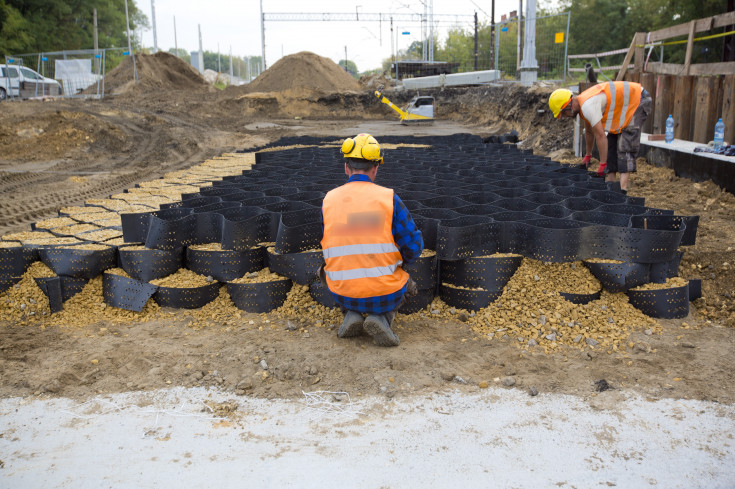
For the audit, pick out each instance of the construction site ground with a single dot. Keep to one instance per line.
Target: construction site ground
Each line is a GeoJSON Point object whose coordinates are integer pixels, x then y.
{"type": "Point", "coordinates": [63, 152]}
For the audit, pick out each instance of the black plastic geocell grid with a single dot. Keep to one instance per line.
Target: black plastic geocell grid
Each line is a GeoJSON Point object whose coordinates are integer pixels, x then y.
{"type": "Point", "coordinates": [225, 265]}
{"type": "Point", "coordinates": [619, 277]}
{"type": "Point", "coordinates": [79, 263]}
{"type": "Point", "coordinates": [149, 264]}
{"type": "Point", "coordinates": [186, 297]}
{"type": "Point", "coordinates": [126, 293]}
{"type": "Point", "coordinates": [669, 303]}
{"type": "Point", "coordinates": [302, 268]}
{"type": "Point", "coordinates": [468, 198]}
{"type": "Point", "coordinates": [259, 297]}
{"type": "Point", "coordinates": [16, 260]}
{"type": "Point", "coordinates": [60, 289]}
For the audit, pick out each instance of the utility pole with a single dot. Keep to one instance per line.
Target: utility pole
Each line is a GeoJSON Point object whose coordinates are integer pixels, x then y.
{"type": "Point", "coordinates": [345, 58]}
{"type": "Point", "coordinates": [176, 42]}
{"type": "Point", "coordinates": [219, 61]}
{"type": "Point", "coordinates": [153, 16]}
{"type": "Point", "coordinates": [130, 50]}
{"type": "Point", "coordinates": [492, 32]}
{"type": "Point", "coordinates": [520, 29]}
{"type": "Point", "coordinates": [262, 35]}
{"type": "Point", "coordinates": [96, 43]}
{"type": "Point", "coordinates": [529, 67]}
{"type": "Point", "coordinates": [476, 41]}
{"type": "Point", "coordinates": [200, 54]}
{"type": "Point", "coordinates": [392, 48]}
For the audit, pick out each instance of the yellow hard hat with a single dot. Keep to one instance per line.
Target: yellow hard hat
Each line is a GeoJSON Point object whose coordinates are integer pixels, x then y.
{"type": "Point", "coordinates": [558, 100]}
{"type": "Point", "coordinates": [364, 147]}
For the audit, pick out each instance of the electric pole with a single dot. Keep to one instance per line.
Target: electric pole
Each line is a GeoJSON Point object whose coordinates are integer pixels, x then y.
{"type": "Point", "coordinates": [153, 17]}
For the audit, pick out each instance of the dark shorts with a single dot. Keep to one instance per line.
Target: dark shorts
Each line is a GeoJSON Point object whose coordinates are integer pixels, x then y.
{"type": "Point", "coordinates": [622, 149]}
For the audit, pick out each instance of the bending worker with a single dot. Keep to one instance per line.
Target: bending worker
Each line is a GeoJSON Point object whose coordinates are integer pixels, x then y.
{"type": "Point", "coordinates": [368, 236]}
{"type": "Point", "coordinates": [618, 108]}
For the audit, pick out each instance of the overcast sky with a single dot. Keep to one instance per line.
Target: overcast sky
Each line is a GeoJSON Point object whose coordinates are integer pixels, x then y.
{"type": "Point", "coordinates": [236, 24]}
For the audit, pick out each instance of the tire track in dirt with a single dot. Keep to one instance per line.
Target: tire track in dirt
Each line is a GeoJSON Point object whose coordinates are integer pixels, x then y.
{"type": "Point", "coordinates": [157, 141]}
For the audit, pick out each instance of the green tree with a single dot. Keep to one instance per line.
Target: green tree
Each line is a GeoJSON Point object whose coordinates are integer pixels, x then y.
{"type": "Point", "coordinates": [349, 66]}
{"type": "Point", "coordinates": [181, 53]}
{"type": "Point", "coordinates": [56, 25]}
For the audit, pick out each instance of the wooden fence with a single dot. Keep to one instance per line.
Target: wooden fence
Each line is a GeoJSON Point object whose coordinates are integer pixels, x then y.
{"type": "Point", "coordinates": [696, 95]}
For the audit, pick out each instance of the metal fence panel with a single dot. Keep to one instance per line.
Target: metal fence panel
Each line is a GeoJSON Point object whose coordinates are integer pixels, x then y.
{"type": "Point", "coordinates": [552, 35]}
{"type": "Point", "coordinates": [78, 74]}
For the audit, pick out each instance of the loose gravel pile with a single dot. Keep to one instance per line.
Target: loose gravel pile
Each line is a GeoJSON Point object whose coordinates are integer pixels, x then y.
{"type": "Point", "coordinates": [259, 277]}
{"type": "Point", "coordinates": [183, 279]}
{"type": "Point", "coordinates": [531, 313]}
{"type": "Point", "coordinates": [669, 284]}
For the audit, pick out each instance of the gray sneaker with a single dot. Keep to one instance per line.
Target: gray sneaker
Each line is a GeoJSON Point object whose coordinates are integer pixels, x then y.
{"type": "Point", "coordinates": [351, 326]}
{"type": "Point", "coordinates": [378, 326]}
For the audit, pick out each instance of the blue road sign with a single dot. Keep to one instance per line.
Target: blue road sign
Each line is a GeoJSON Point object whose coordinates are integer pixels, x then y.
{"type": "Point", "coordinates": [405, 33]}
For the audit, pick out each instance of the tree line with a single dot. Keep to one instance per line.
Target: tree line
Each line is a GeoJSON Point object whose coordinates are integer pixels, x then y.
{"type": "Point", "coordinates": [594, 26]}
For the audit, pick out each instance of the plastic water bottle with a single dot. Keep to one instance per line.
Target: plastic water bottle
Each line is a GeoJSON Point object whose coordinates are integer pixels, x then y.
{"type": "Point", "coordinates": [719, 133]}
{"type": "Point", "coordinates": [669, 129]}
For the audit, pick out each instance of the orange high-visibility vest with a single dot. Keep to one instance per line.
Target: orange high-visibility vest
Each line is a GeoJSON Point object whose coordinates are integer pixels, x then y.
{"type": "Point", "coordinates": [361, 255]}
{"type": "Point", "coordinates": [622, 97]}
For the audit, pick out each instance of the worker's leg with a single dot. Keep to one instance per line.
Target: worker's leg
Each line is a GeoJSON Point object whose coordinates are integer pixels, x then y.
{"type": "Point", "coordinates": [629, 142]}
{"type": "Point", "coordinates": [624, 182]}
{"type": "Point", "coordinates": [611, 172]}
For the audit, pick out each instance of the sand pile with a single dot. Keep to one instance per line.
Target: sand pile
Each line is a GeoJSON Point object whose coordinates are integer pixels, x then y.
{"type": "Point", "coordinates": [160, 70]}
{"type": "Point", "coordinates": [304, 70]}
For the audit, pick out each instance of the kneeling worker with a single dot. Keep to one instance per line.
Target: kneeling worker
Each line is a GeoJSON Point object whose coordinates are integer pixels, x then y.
{"type": "Point", "coordinates": [618, 108]}
{"type": "Point", "coordinates": [368, 235]}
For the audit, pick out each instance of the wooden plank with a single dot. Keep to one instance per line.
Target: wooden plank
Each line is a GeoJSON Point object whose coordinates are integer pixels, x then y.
{"type": "Point", "coordinates": [726, 68]}
{"type": "Point", "coordinates": [701, 25]}
{"type": "Point", "coordinates": [690, 42]}
{"type": "Point", "coordinates": [664, 103]}
{"type": "Point", "coordinates": [648, 81]}
{"type": "Point", "coordinates": [683, 90]}
{"type": "Point", "coordinates": [728, 107]}
{"type": "Point", "coordinates": [627, 59]}
{"type": "Point", "coordinates": [634, 76]}
{"type": "Point", "coordinates": [640, 52]}
{"type": "Point", "coordinates": [706, 110]}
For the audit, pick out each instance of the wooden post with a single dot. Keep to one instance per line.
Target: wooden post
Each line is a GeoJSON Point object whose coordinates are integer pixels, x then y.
{"type": "Point", "coordinates": [705, 115]}
{"type": "Point", "coordinates": [648, 80]}
{"type": "Point", "coordinates": [664, 104]}
{"type": "Point", "coordinates": [728, 108]}
{"type": "Point", "coordinates": [628, 57]}
{"type": "Point", "coordinates": [640, 52]}
{"type": "Point", "coordinates": [690, 42]}
{"type": "Point", "coordinates": [683, 108]}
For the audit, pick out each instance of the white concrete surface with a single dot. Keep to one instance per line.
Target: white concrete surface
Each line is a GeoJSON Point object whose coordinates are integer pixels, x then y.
{"type": "Point", "coordinates": [490, 438]}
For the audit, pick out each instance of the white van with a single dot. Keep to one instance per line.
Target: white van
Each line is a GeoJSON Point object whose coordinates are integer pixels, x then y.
{"type": "Point", "coordinates": [22, 82]}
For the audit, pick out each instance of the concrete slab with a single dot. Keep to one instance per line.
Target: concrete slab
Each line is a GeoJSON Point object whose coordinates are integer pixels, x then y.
{"type": "Point", "coordinates": [488, 438]}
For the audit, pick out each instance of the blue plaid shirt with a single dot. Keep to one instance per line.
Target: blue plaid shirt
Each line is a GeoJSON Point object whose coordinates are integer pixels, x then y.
{"type": "Point", "coordinates": [410, 244]}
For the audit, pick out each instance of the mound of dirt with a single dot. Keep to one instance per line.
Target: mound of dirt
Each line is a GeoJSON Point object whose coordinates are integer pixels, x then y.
{"type": "Point", "coordinates": [160, 70]}
{"type": "Point", "coordinates": [304, 70]}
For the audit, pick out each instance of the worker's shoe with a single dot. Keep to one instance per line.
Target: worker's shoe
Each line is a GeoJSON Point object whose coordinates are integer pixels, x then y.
{"type": "Point", "coordinates": [351, 326]}
{"type": "Point", "coordinates": [378, 326]}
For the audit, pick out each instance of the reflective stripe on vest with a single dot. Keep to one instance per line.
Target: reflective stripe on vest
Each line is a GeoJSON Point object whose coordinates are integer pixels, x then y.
{"type": "Point", "coordinates": [361, 256]}
{"type": "Point", "coordinates": [622, 97]}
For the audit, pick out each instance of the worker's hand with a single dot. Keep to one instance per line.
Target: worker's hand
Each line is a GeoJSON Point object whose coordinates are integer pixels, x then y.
{"type": "Point", "coordinates": [586, 160]}
{"type": "Point", "coordinates": [601, 169]}
{"type": "Point", "coordinates": [411, 288]}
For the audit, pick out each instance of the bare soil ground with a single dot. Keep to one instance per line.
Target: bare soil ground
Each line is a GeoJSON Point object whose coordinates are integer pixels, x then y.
{"type": "Point", "coordinates": [62, 153]}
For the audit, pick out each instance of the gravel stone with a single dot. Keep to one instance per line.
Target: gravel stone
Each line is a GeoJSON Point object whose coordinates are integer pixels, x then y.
{"type": "Point", "coordinates": [509, 381]}
{"type": "Point", "coordinates": [263, 365]}
{"type": "Point", "coordinates": [592, 342]}
{"type": "Point", "coordinates": [533, 391]}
